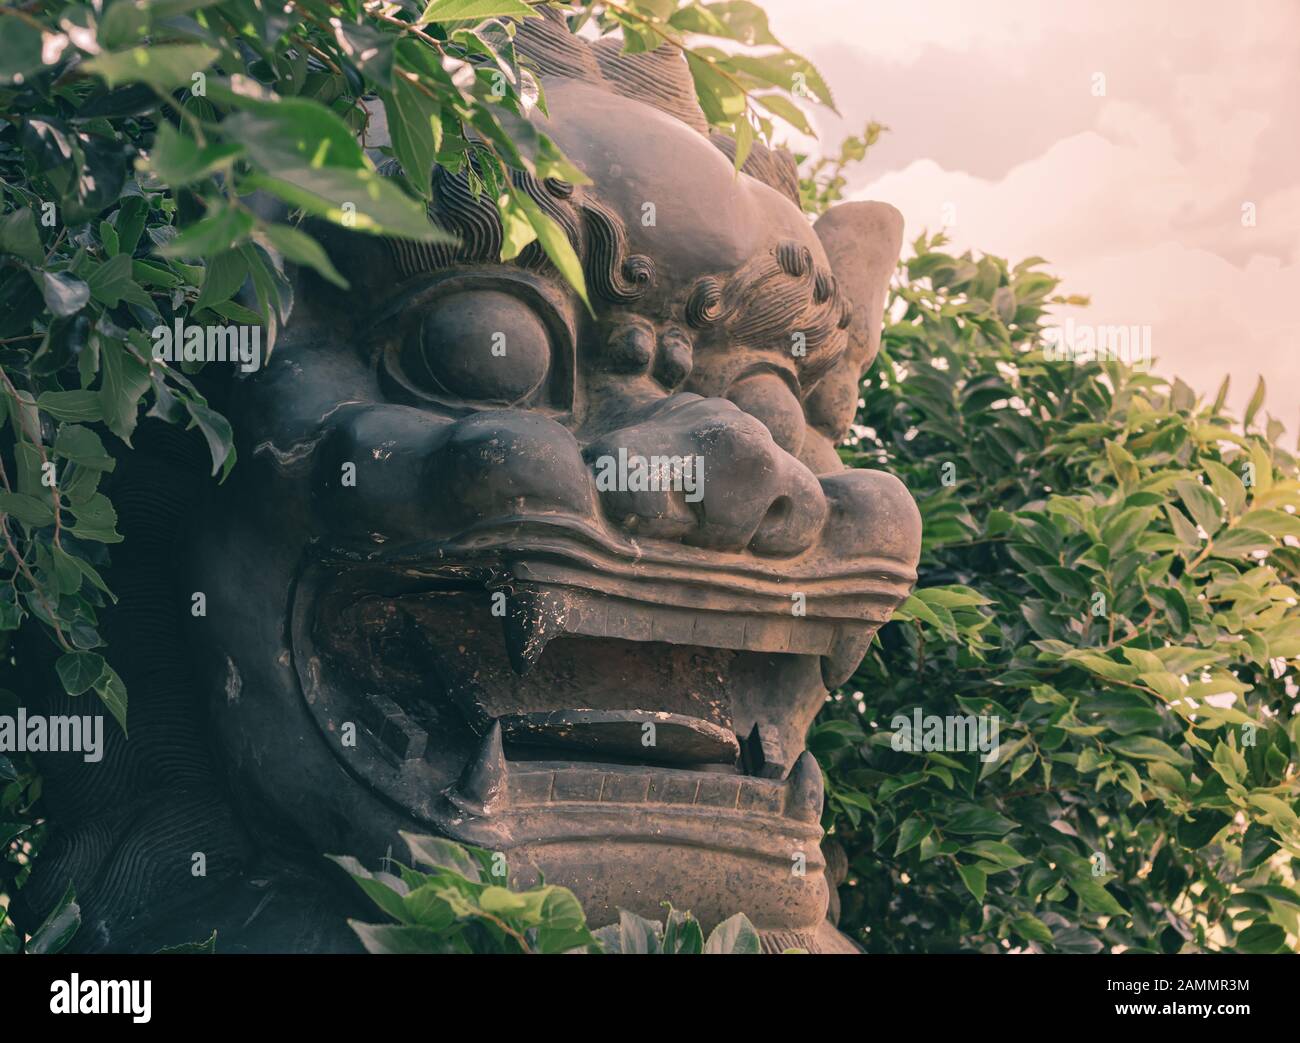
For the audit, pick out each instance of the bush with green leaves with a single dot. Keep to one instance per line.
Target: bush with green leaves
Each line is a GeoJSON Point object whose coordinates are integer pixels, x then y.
{"type": "Point", "coordinates": [460, 901]}
{"type": "Point", "coordinates": [1110, 568]}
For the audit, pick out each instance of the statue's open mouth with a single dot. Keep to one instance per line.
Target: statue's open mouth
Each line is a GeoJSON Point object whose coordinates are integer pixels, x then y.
{"type": "Point", "coordinates": [527, 685]}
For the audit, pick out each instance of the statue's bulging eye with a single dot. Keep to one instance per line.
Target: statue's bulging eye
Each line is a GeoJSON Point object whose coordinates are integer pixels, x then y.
{"type": "Point", "coordinates": [479, 346]}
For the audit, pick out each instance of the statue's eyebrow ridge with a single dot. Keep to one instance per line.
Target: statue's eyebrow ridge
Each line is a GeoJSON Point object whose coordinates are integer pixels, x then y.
{"type": "Point", "coordinates": [767, 307]}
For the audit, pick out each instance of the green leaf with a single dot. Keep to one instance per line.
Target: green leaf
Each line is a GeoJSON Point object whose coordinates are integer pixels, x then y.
{"type": "Point", "coordinates": [738, 20]}
{"type": "Point", "coordinates": [1102, 665]}
{"type": "Point", "coordinates": [997, 852]}
{"type": "Point", "coordinates": [18, 236]}
{"type": "Point", "coordinates": [1069, 582]}
{"type": "Point", "coordinates": [79, 671]}
{"type": "Point", "coordinates": [975, 879]}
{"type": "Point", "coordinates": [29, 510]}
{"type": "Point", "coordinates": [735, 935]}
{"type": "Point", "coordinates": [415, 124]}
{"type": "Point", "coordinates": [58, 928]}
{"type": "Point", "coordinates": [912, 832]}
{"type": "Point", "coordinates": [1227, 485]}
{"type": "Point", "coordinates": [463, 10]}
{"type": "Point", "coordinates": [125, 381]}
{"type": "Point", "coordinates": [1147, 747]}
{"type": "Point", "coordinates": [300, 248]}
{"type": "Point", "coordinates": [310, 158]}
{"type": "Point", "coordinates": [973, 819]}
{"type": "Point", "coordinates": [1198, 830]}
{"type": "Point", "coordinates": [1095, 896]}
{"type": "Point", "coordinates": [370, 49]}
{"type": "Point", "coordinates": [223, 229]}
{"type": "Point", "coordinates": [1031, 928]}
{"type": "Point", "coordinates": [381, 889]}
{"type": "Point", "coordinates": [554, 242]}
{"type": "Point", "coordinates": [441, 853]}
{"type": "Point", "coordinates": [780, 105]}
{"type": "Point", "coordinates": [180, 161]}
{"type": "Point", "coordinates": [721, 99]}
{"type": "Point", "coordinates": [64, 294]}
{"type": "Point", "coordinates": [399, 938]}
{"type": "Point", "coordinates": [164, 66]}
{"type": "Point", "coordinates": [111, 283]}
{"type": "Point", "coordinates": [223, 276]}
{"type": "Point", "coordinates": [682, 934]}
{"type": "Point", "coordinates": [1123, 464]}
{"type": "Point", "coordinates": [1256, 400]}
{"type": "Point", "coordinates": [96, 519]}
{"type": "Point", "coordinates": [1201, 504]}
{"type": "Point", "coordinates": [1242, 542]}
{"type": "Point", "coordinates": [637, 935]}
{"type": "Point", "coordinates": [71, 405]}
{"type": "Point", "coordinates": [112, 692]}
{"type": "Point", "coordinates": [21, 47]}
{"type": "Point", "coordinates": [1261, 938]}
{"type": "Point", "coordinates": [216, 432]}
{"type": "Point", "coordinates": [563, 925]}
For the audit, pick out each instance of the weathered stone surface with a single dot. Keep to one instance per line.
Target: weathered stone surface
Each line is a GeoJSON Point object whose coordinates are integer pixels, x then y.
{"type": "Point", "coordinates": [444, 595]}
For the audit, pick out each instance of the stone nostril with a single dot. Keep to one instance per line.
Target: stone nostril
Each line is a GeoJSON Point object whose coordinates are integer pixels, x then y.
{"type": "Point", "coordinates": [778, 512]}
{"type": "Point", "coordinates": [793, 520]}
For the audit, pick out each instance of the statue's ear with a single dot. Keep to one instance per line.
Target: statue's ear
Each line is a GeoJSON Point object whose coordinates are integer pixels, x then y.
{"type": "Point", "coordinates": [862, 243]}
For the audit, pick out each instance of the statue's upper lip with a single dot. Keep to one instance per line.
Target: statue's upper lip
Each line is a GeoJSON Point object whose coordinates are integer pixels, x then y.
{"type": "Point", "coordinates": [579, 580]}
{"type": "Point", "coordinates": [569, 550]}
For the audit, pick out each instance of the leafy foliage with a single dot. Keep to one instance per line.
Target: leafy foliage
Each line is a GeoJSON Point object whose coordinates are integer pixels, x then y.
{"type": "Point", "coordinates": [1109, 567]}
{"type": "Point", "coordinates": [460, 901]}
{"type": "Point", "coordinates": [822, 179]}
{"type": "Point", "coordinates": [52, 936]}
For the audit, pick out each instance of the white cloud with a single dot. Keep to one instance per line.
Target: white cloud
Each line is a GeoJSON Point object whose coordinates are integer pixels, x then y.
{"type": "Point", "coordinates": [1135, 197]}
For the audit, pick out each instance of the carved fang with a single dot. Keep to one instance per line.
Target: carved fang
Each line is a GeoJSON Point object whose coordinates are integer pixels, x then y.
{"type": "Point", "coordinates": [846, 655]}
{"type": "Point", "coordinates": [803, 801]}
{"type": "Point", "coordinates": [483, 785]}
{"type": "Point", "coordinates": [763, 753]}
{"type": "Point", "coordinates": [532, 620]}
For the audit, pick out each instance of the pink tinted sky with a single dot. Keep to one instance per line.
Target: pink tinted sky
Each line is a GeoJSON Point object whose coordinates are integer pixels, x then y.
{"type": "Point", "coordinates": [1136, 197]}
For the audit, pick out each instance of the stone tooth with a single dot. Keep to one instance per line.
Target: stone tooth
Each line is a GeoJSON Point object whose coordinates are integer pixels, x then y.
{"type": "Point", "coordinates": [846, 654]}
{"type": "Point", "coordinates": [804, 791]}
{"type": "Point", "coordinates": [532, 619]}
{"type": "Point", "coordinates": [764, 756]}
{"type": "Point", "coordinates": [483, 785]}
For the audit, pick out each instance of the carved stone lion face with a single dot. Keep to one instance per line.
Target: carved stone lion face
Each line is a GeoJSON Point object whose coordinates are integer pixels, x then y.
{"type": "Point", "coordinates": [570, 585]}
{"type": "Point", "coordinates": [565, 585]}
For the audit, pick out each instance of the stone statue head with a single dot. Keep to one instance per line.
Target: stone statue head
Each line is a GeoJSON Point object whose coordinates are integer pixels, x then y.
{"type": "Point", "coordinates": [568, 585]}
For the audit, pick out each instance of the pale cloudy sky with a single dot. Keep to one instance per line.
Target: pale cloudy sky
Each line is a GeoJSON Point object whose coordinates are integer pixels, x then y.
{"type": "Point", "coordinates": [1135, 196]}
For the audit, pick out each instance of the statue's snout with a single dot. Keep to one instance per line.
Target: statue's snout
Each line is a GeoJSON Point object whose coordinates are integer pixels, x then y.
{"type": "Point", "coordinates": [706, 473]}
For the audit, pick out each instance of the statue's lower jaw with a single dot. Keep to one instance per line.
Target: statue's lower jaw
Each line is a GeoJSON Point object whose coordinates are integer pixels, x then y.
{"type": "Point", "coordinates": [637, 875]}
{"type": "Point", "coordinates": [632, 837]}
